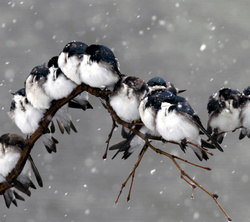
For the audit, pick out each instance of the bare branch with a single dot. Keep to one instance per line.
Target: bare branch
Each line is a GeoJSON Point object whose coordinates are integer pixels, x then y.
{"type": "Point", "coordinates": [43, 127]}
{"type": "Point", "coordinates": [104, 95]}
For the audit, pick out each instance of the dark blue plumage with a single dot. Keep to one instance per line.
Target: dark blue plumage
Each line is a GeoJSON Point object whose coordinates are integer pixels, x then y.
{"type": "Point", "coordinates": [131, 141]}
{"type": "Point", "coordinates": [224, 109]}
{"type": "Point", "coordinates": [70, 58]}
{"type": "Point", "coordinates": [100, 67]}
{"type": "Point", "coordinates": [175, 120]}
{"type": "Point", "coordinates": [75, 48]}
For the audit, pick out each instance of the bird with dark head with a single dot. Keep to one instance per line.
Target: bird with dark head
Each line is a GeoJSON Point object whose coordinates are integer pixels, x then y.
{"type": "Point", "coordinates": [224, 109]}
{"type": "Point", "coordinates": [70, 58]}
{"type": "Point", "coordinates": [175, 120]}
{"type": "Point", "coordinates": [59, 86]}
{"type": "Point", "coordinates": [11, 146]}
{"type": "Point", "coordinates": [126, 97]}
{"type": "Point", "coordinates": [27, 118]}
{"type": "Point", "coordinates": [53, 85]}
{"type": "Point", "coordinates": [34, 87]}
{"type": "Point", "coordinates": [100, 67]}
{"type": "Point", "coordinates": [158, 82]}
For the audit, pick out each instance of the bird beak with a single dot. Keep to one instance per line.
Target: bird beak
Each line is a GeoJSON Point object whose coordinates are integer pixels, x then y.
{"type": "Point", "coordinates": [181, 90]}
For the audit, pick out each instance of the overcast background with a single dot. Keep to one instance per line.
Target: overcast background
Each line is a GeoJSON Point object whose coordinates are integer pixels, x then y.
{"type": "Point", "coordinates": [200, 46]}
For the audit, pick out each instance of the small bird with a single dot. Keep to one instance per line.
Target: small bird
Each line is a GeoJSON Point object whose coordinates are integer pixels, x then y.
{"type": "Point", "coordinates": [11, 146]}
{"type": "Point", "coordinates": [99, 67]}
{"type": "Point", "coordinates": [57, 81]}
{"type": "Point", "coordinates": [70, 58]}
{"type": "Point", "coordinates": [57, 84]}
{"type": "Point", "coordinates": [175, 120]}
{"type": "Point", "coordinates": [34, 87]}
{"type": "Point", "coordinates": [245, 114]}
{"type": "Point", "coordinates": [126, 97]}
{"type": "Point", "coordinates": [156, 83]}
{"type": "Point", "coordinates": [224, 112]}
{"type": "Point", "coordinates": [46, 84]}
{"type": "Point", "coordinates": [131, 141]}
{"type": "Point", "coordinates": [27, 118]}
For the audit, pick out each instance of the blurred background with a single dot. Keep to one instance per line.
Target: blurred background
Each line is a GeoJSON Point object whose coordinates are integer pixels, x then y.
{"type": "Point", "coordinates": [200, 46]}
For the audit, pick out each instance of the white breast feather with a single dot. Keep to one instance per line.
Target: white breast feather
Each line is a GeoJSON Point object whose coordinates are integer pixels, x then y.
{"type": "Point", "coordinates": [70, 67]}
{"type": "Point", "coordinates": [58, 88]}
{"type": "Point", "coordinates": [97, 75]}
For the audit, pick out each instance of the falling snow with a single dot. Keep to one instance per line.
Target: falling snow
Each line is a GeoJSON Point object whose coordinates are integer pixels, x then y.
{"type": "Point", "coordinates": [203, 47]}
{"type": "Point", "coordinates": [199, 48]}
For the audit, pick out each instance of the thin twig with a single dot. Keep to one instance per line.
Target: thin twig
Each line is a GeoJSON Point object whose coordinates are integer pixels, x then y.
{"type": "Point", "coordinates": [132, 173]}
{"type": "Point", "coordinates": [206, 151]}
{"type": "Point", "coordinates": [109, 138]}
{"type": "Point", "coordinates": [184, 174]}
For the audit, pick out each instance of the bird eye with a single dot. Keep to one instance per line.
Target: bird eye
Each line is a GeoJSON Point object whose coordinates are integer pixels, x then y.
{"type": "Point", "coordinates": [131, 84]}
{"type": "Point", "coordinates": [13, 105]}
{"type": "Point", "coordinates": [37, 78]}
{"type": "Point", "coordinates": [58, 72]}
{"type": "Point", "coordinates": [223, 104]}
{"type": "Point", "coordinates": [235, 104]}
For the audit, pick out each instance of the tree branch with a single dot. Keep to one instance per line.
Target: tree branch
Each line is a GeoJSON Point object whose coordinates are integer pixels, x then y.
{"type": "Point", "coordinates": [104, 95]}
{"type": "Point", "coordinates": [30, 142]}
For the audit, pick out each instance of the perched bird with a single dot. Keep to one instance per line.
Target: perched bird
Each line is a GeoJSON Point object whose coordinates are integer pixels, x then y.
{"type": "Point", "coordinates": [11, 146]}
{"type": "Point", "coordinates": [175, 120]}
{"type": "Point", "coordinates": [131, 141]}
{"type": "Point", "coordinates": [34, 87]}
{"type": "Point", "coordinates": [156, 83]}
{"type": "Point", "coordinates": [224, 112]}
{"type": "Point", "coordinates": [99, 67]}
{"type": "Point", "coordinates": [57, 84]}
{"type": "Point", "coordinates": [126, 97]}
{"type": "Point", "coordinates": [27, 118]}
{"type": "Point", "coordinates": [70, 58]}
{"type": "Point", "coordinates": [46, 84]}
{"type": "Point", "coordinates": [245, 114]}
{"type": "Point", "coordinates": [57, 81]}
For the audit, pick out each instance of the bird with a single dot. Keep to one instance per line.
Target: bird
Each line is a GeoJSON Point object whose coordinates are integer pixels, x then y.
{"type": "Point", "coordinates": [132, 141]}
{"type": "Point", "coordinates": [126, 97]}
{"type": "Point", "coordinates": [11, 146]}
{"type": "Point", "coordinates": [175, 120]}
{"type": "Point", "coordinates": [47, 84]}
{"type": "Point", "coordinates": [224, 109]}
{"type": "Point", "coordinates": [245, 114]}
{"type": "Point", "coordinates": [57, 84]}
{"type": "Point", "coordinates": [156, 83]}
{"type": "Point", "coordinates": [70, 58]}
{"type": "Point", "coordinates": [99, 67]}
{"type": "Point", "coordinates": [34, 87]}
{"type": "Point", "coordinates": [57, 81]}
{"type": "Point", "coordinates": [27, 118]}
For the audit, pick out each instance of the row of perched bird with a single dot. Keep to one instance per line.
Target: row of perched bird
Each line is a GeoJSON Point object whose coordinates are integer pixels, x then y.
{"type": "Point", "coordinates": [157, 103]}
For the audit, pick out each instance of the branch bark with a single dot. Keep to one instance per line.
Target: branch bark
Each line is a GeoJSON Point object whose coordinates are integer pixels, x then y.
{"type": "Point", "coordinates": [30, 142]}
